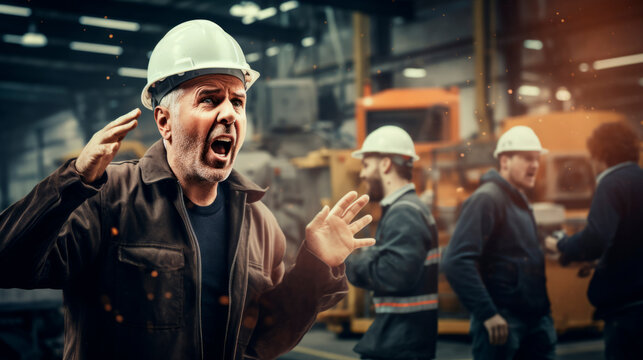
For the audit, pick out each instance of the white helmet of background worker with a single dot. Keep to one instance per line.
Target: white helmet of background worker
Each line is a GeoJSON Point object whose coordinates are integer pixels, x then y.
{"type": "Point", "coordinates": [519, 138]}
{"type": "Point", "coordinates": [388, 140]}
{"type": "Point", "coordinates": [191, 49]}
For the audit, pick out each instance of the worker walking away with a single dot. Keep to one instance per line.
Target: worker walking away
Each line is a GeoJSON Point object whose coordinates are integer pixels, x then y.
{"type": "Point", "coordinates": [613, 236]}
{"type": "Point", "coordinates": [495, 262]}
{"type": "Point", "coordinates": [174, 256]}
{"type": "Point", "coordinates": [402, 269]}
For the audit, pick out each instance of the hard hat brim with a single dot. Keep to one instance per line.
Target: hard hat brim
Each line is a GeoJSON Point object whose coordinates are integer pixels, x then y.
{"type": "Point", "coordinates": [543, 151]}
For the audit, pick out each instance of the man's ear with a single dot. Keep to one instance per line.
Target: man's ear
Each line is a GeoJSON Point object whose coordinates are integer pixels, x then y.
{"type": "Point", "coordinates": [163, 123]}
{"type": "Point", "coordinates": [385, 165]}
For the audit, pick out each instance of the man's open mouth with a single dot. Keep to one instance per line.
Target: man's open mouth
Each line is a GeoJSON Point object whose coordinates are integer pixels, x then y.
{"type": "Point", "coordinates": [221, 146]}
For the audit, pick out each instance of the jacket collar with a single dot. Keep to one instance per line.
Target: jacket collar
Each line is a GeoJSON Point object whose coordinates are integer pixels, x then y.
{"type": "Point", "coordinates": [155, 168]}
{"type": "Point", "coordinates": [494, 176]}
{"type": "Point", "coordinates": [392, 197]}
{"type": "Point", "coordinates": [609, 170]}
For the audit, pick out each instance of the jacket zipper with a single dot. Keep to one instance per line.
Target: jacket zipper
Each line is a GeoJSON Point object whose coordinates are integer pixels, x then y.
{"type": "Point", "coordinates": [195, 243]}
{"type": "Point", "coordinates": [234, 261]}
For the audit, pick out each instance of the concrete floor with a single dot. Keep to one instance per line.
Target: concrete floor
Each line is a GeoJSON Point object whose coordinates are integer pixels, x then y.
{"type": "Point", "coordinates": [320, 344]}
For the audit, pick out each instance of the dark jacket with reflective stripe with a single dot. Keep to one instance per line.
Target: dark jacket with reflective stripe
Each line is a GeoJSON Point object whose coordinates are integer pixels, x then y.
{"type": "Point", "coordinates": [125, 255]}
{"type": "Point", "coordinates": [614, 234]}
{"type": "Point", "coordinates": [402, 271]}
{"type": "Point", "coordinates": [494, 258]}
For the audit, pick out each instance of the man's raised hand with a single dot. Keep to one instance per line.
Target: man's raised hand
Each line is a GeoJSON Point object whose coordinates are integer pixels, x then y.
{"type": "Point", "coordinates": [330, 236]}
{"type": "Point", "coordinates": [103, 146]}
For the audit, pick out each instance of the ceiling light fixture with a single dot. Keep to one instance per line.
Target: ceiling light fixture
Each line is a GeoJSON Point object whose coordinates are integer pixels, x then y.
{"type": "Point", "coordinates": [30, 39]}
{"type": "Point", "coordinates": [272, 51]}
{"type": "Point", "coordinates": [562, 94]}
{"type": "Point", "coordinates": [266, 13]}
{"type": "Point", "coordinates": [96, 48]}
{"type": "Point", "coordinates": [308, 41]}
{"type": "Point", "coordinates": [109, 23]}
{"type": "Point", "coordinates": [618, 61]}
{"type": "Point", "coordinates": [414, 73]}
{"type": "Point", "coordinates": [533, 44]}
{"type": "Point", "coordinates": [15, 10]}
{"type": "Point", "coordinates": [132, 72]}
{"type": "Point", "coordinates": [529, 90]}
{"type": "Point", "coordinates": [252, 57]}
{"type": "Point", "coordinates": [288, 5]}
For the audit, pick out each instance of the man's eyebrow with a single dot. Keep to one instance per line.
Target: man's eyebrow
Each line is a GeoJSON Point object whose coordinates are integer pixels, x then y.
{"type": "Point", "coordinates": [209, 91]}
{"type": "Point", "coordinates": [241, 94]}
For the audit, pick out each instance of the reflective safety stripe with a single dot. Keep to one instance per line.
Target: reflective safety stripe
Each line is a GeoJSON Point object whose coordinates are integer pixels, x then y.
{"type": "Point", "coordinates": [433, 257]}
{"type": "Point", "coordinates": [405, 304]}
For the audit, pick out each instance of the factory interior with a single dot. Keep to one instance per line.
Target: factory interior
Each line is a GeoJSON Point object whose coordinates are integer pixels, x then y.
{"type": "Point", "coordinates": [455, 74]}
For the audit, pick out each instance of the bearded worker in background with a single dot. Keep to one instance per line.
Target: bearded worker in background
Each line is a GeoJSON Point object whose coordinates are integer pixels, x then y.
{"type": "Point", "coordinates": [174, 256]}
{"type": "Point", "coordinates": [402, 270]}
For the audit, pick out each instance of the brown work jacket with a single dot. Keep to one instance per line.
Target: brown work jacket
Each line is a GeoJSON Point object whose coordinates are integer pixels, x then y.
{"type": "Point", "coordinates": [125, 255]}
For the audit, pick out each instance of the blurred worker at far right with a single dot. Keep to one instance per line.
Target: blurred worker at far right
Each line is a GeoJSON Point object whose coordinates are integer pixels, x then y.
{"type": "Point", "coordinates": [495, 261]}
{"type": "Point", "coordinates": [614, 236]}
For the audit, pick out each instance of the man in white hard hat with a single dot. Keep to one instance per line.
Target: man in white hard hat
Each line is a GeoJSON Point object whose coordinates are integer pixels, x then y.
{"type": "Point", "coordinates": [402, 269]}
{"type": "Point", "coordinates": [495, 262]}
{"type": "Point", "coordinates": [174, 256]}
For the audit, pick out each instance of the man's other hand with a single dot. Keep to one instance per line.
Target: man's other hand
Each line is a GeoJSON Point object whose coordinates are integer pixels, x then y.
{"type": "Point", "coordinates": [498, 329]}
{"type": "Point", "coordinates": [103, 146]}
{"type": "Point", "coordinates": [551, 248]}
{"type": "Point", "coordinates": [330, 236]}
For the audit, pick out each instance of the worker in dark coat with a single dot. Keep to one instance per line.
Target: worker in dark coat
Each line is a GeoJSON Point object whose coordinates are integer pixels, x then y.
{"type": "Point", "coordinates": [402, 269]}
{"type": "Point", "coordinates": [614, 237]}
{"type": "Point", "coordinates": [494, 260]}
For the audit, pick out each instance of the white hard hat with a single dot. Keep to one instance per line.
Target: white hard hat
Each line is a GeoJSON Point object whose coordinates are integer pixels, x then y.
{"type": "Point", "coordinates": [191, 49]}
{"type": "Point", "coordinates": [388, 140]}
{"type": "Point", "coordinates": [518, 138]}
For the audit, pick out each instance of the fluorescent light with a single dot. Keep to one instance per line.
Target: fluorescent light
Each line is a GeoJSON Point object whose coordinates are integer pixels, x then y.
{"type": "Point", "coordinates": [288, 5]}
{"type": "Point", "coordinates": [529, 90]}
{"type": "Point", "coordinates": [252, 57]}
{"type": "Point", "coordinates": [246, 8]}
{"type": "Point", "coordinates": [562, 94]}
{"type": "Point", "coordinates": [272, 51]}
{"type": "Point", "coordinates": [618, 61]}
{"type": "Point", "coordinates": [247, 20]}
{"type": "Point", "coordinates": [533, 44]}
{"type": "Point", "coordinates": [308, 41]}
{"type": "Point", "coordinates": [132, 72]}
{"type": "Point", "coordinates": [34, 40]}
{"type": "Point", "coordinates": [96, 48]}
{"type": "Point", "coordinates": [15, 10]}
{"type": "Point", "coordinates": [266, 13]}
{"type": "Point", "coordinates": [583, 67]}
{"type": "Point", "coordinates": [28, 39]}
{"type": "Point", "coordinates": [414, 73]}
{"type": "Point", "coordinates": [109, 23]}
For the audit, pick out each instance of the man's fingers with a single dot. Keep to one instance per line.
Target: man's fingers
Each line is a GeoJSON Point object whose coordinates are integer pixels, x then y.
{"type": "Point", "coordinates": [494, 335]}
{"type": "Point", "coordinates": [318, 220]}
{"type": "Point", "coordinates": [124, 119]}
{"type": "Point", "coordinates": [364, 242]}
{"type": "Point", "coordinates": [355, 208]}
{"type": "Point", "coordinates": [502, 335]}
{"type": "Point", "coordinates": [117, 133]}
{"type": "Point", "coordinates": [343, 203]}
{"type": "Point", "coordinates": [359, 224]}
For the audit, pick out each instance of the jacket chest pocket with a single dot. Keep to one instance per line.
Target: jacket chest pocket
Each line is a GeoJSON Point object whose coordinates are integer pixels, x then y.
{"type": "Point", "coordinates": [149, 286]}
